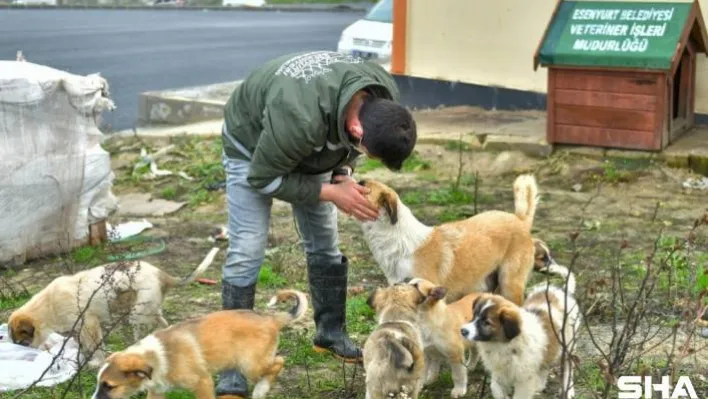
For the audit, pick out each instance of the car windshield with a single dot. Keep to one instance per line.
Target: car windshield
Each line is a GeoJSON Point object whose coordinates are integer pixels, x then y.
{"type": "Point", "coordinates": [381, 12]}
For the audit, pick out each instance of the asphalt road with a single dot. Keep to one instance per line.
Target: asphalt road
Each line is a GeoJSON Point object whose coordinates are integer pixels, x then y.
{"type": "Point", "coordinates": [141, 50]}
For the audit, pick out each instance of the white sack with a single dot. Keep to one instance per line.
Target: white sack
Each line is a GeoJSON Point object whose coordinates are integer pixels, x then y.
{"type": "Point", "coordinates": [55, 179]}
{"type": "Point", "coordinates": [20, 367]}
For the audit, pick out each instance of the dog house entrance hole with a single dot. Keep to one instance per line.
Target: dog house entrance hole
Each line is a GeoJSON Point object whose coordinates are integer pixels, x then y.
{"type": "Point", "coordinates": [680, 95]}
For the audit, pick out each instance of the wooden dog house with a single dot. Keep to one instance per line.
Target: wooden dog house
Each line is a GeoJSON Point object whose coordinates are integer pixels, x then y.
{"type": "Point", "coordinates": [621, 74]}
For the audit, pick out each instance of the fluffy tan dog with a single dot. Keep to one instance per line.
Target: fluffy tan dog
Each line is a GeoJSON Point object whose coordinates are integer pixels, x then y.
{"type": "Point", "coordinates": [465, 256]}
{"type": "Point", "coordinates": [441, 324]}
{"type": "Point", "coordinates": [393, 353]}
{"type": "Point", "coordinates": [135, 290]}
{"type": "Point", "coordinates": [186, 355]}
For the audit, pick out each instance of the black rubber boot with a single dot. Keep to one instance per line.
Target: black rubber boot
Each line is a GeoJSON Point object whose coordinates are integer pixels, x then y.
{"type": "Point", "coordinates": [233, 384]}
{"type": "Point", "coordinates": [328, 289]}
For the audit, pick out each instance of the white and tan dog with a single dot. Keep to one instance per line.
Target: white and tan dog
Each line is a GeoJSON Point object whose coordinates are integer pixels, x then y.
{"type": "Point", "coordinates": [81, 302]}
{"type": "Point", "coordinates": [472, 255]}
{"type": "Point", "coordinates": [393, 354]}
{"type": "Point", "coordinates": [185, 355]}
{"type": "Point", "coordinates": [440, 323]}
{"type": "Point", "coordinates": [519, 345]}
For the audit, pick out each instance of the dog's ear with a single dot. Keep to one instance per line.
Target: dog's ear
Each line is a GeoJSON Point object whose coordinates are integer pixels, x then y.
{"type": "Point", "coordinates": [390, 204]}
{"type": "Point", "coordinates": [510, 324]}
{"type": "Point", "coordinates": [435, 295]}
{"type": "Point", "coordinates": [374, 300]}
{"type": "Point", "coordinates": [475, 304]}
{"type": "Point", "coordinates": [438, 293]}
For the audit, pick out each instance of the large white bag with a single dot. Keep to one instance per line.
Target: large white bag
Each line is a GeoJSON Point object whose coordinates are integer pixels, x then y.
{"type": "Point", "coordinates": [55, 179]}
{"type": "Point", "coordinates": [20, 367]}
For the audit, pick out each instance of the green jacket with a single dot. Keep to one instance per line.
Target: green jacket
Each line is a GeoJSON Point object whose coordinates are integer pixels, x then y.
{"type": "Point", "coordinates": [288, 119]}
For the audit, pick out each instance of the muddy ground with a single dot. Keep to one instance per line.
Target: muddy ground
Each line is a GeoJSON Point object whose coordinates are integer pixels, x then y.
{"type": "Point", "coordinates": [611, 212]}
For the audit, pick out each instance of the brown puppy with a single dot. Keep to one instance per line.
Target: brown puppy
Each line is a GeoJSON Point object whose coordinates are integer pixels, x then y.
{"type": "Point", "coordinates": [465, 256]}
{"type": "Point", "coordinates": [441, 323]}
{"type": "Point", "coordinates": [393, 353]}
{"type": "Point", "coordinates": [186, 355]}
{"type": "Point", "coordinates": [135, 290]}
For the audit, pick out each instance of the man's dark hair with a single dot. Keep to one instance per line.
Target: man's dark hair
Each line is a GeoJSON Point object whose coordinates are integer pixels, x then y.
{"type": "Point", "coordinates": [389, 131]}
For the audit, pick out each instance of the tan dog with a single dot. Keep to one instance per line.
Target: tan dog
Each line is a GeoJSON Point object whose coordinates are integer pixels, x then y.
{"type": "Point", "coordinates": [466, 256]}
{"type": "Point", "coordinates": [393, 353]}
{"type": "Point", "coordinates": [542, 255]}
{"type": "Point", "coordinates": [519, 345]}
{"type": "Point", "coordinates": [441, 324]}
{"type": "Point", "coordinates": [186, 355]}
{"type": "Point", "coordinates": [135, 290]}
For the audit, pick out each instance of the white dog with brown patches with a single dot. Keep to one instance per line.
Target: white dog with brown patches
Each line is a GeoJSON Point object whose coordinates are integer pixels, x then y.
{"type": "Point", "coordinates": [186, 355]}
{"type": "Point", "coordinates": [519, 345]}
{"type": "Point", "coordinates": [493, 249]}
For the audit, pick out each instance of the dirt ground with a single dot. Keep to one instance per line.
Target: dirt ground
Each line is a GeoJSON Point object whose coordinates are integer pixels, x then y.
{"type": "Point", "coordinates": [611, 212]}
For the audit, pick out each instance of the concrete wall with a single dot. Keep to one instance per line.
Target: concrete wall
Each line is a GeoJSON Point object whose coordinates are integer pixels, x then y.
{"type": "Point", "coordinates": [491, 43]}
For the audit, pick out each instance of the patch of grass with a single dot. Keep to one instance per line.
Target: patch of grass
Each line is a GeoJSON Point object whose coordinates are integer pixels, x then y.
{"type": "Point", "coordinates": [453, 214]}
{"type": "Point", "coordinates": [440, 388]}
{"type": "Point", "coordinates": [592, 378]}
{"type": "Point", "coordinates": [614, 172]}
{"type": "Point", "coordinates": [360, 317]}
{"type": "Point", "coordinates": [14, 301]}
{"type": "Point", "coordinates": [458, 145]}
{"type": "Point", "coordinates": [270, 279]}
{"type": "Point", "coordinates": [296, 346]}
{"type": "Point", "coordinates": [179, 394]}
{"type": "Point", "coordinates": [414, 163]}
{"type": "Point", "coordinates": [84, 254]}
{"type": "Point", "coordinates": [201, 197]}
{"type": "Point", "coordinates": [413, 197]}
{"type": "Point", "coordinates": [368, 164]}
{"type": "Point", "coordinates": [449, 196]}
{"type": "Point", "coordinates": [169, 193]}
{"type": "Point", "coordinates": [85, 383]}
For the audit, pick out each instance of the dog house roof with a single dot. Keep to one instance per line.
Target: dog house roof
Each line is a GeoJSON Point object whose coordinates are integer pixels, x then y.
{"type": "Point", "coordinates": [616, 34]}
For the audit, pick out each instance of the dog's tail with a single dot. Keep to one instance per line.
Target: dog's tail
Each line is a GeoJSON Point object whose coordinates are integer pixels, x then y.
{"type": "Point", "coordinates": [296, 313]}
{"type": "Point", "coordinates": [525, 199]}
{"type": "Point", "coordinates": [565, 273]}
{"type": "Point", "coordinates": [400, 350]}
{"type": "Point", "coordinates": [208, 260]}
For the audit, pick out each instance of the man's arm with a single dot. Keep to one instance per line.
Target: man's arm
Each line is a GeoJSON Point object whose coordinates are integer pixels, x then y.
{"type": "Point", "coordinates": [287, 138]}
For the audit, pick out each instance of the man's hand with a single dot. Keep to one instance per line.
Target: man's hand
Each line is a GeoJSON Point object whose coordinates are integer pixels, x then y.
{"type": "Point", "coordinates": [341, 179]}
{"type": "Point", "coordinates": [350, 198]}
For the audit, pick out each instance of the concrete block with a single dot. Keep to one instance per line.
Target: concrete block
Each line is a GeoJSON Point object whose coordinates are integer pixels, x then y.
{"type": "Point", "coordinates": [629, 154]}
{"type": "Point", "coordinates": [689, 151]}
{"type": "Point", "coordinates": [673, 159]}
{"type": "Point", "coordinates": [534, 146]}
{"type": "Point", "coordinates": [469, 140]}
{"type": "Point", "coordinates": [589, 152]}
{"type": "Point", "coordinates": [156, 109]}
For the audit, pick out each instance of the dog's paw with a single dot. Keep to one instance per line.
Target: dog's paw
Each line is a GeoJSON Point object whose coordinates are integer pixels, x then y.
{"type": "Point", "coordinates": [457, 392]}
{"type": "Point", "coordinates": [571, 393]}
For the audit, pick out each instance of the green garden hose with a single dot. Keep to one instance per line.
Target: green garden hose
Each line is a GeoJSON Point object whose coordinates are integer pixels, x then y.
{"type": "Point", "coordinates": [134, 255]}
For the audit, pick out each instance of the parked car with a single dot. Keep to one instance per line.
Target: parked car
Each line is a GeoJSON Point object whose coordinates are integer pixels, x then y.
{"type": "Point", "coordinates": [372, 36]}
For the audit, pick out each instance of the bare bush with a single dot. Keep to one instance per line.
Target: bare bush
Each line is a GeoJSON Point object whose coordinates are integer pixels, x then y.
{"type": "Point", "coordinates": [108, 286]}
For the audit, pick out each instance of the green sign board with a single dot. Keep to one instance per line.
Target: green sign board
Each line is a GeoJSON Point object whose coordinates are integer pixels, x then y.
{"type": "Point", "coordinates": [614, 34]}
